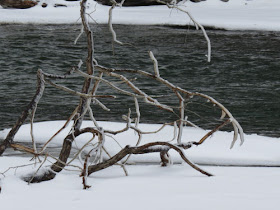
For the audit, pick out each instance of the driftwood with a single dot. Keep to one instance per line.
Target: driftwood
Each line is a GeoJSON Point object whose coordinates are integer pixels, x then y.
{"type": "Point", "coordinates": [94, 75]}
{"type": "Point", "coordinates": [132, 2]}
{"type": "Point", "coordinates": [29, 109]}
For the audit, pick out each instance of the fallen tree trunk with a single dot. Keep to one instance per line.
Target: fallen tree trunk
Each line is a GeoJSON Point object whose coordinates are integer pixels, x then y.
{"type": "Point", "coordinates": [129, 3]}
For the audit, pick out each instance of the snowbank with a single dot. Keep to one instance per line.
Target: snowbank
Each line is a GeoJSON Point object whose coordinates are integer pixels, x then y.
{"type": "Point", "coordinates": [256, 151]}
{"type": "Point", "coordinates": [147, 187]}
{"type": "Point", "coordinates": [233, 15]}
{"type": "Point", "coordinates": [150, 186]}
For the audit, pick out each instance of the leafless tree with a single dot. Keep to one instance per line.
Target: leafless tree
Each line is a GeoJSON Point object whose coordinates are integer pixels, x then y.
{"type": "Point", "coordinates": [115, 79]}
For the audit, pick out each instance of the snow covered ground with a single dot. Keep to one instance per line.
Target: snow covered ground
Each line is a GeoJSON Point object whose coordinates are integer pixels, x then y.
{"type": "Point", "coordinates": [233, 15]}
{"type": "Point", "coordinates": [256, 151]}
{"type": "Point", "coordinates": [151, 186]}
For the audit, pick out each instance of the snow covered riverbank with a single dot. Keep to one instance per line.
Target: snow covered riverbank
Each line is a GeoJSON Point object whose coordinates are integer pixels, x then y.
{"type": "Point", "coordinates": [256, 151]}
{"type": "Point", "coordinates": [152, 186]}
{"type": "Point", "coordinates": [233, 15]}
{"type": "Point", "coordinates": [147, 187]}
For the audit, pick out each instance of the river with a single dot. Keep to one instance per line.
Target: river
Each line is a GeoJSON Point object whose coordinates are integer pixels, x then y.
{"type": "Point", "coordinates": [244, 73]}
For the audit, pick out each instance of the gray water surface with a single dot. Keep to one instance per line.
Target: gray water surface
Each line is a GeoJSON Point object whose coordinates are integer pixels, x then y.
{"type": "Point", "coordinates": [244, 73]}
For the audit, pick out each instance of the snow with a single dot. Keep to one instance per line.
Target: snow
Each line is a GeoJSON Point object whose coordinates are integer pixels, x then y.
{"type": "Point", "coordinates": [233, 15]}
{"type": "Point", "coordinates": [256, 151]}
{"type": "Point", "coordinates": [150, 186]}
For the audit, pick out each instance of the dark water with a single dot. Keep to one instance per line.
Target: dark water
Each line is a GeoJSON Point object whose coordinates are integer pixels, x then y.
{"type": "Point", "coordinates": [244, 73]}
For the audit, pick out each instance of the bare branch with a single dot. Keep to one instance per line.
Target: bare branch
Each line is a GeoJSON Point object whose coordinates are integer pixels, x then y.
{"type": "Point", "coordinates": [137, 109]}
{"type": "Point", "coordinates": [234, 122]}
{"type": "Point", "coordinates": [46, 156]}
{"type": "Point", "coordinates": [211, 132]}
{"type": "Point", "coordinates": [141, 150]}
{"type": "Point", "coordinates": [139, 93]}
{"type": "Point", "coordinates": [62, 128]}
{"type": "Point", "coordinates": [110, 24]}
{"type": "Point", "coordinates": [182, 117]}
{"type": "Point", "coordinates": [85, 172]}
{"type": "Point", "coordinates": [83, 95]}
{"type": "Point", "coordinates": [31, 129]}
{"type": "Point", "coordinates": [175, 6]}
{"type": "Point", "coordinates": [30, 107]}
{"type": "Point", "coordinates": [155, 63]}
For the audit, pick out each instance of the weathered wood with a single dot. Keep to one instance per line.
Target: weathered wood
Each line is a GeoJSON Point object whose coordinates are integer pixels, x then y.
{"type": "Point", "coordinates": [48, 175]}
{"type": "Point", "coordinates": [130, 3]}
{"type": "Point", "coordinates": [67, 143]}
{"type": "Point", "coordinates": [146, 148]}
{"type": "Point", "coordinates": [30, 107]}
{"type": "Point", "coordinates": [164, 159]}
{"type": "Point", "coordinates": [133, 2]}
{"type": "Point", "coordinates": [64, 154]}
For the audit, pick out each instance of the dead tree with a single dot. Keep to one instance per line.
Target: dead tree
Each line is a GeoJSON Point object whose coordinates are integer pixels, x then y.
{"type": "Point", "coordinates": [94, 75]}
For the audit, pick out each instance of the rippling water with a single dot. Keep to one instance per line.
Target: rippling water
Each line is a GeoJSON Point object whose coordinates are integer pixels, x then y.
{"type": "Point", "coordinates": [244, 73]}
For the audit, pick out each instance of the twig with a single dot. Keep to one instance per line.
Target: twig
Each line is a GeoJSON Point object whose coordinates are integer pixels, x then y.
{"type": "Point", "coordinates": [175, 6]}
{"type": "Point", "coordinates": [46, 156]}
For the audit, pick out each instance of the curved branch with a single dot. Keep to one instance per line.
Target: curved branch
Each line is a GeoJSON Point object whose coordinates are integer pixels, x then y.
{"type": "Point", "coordinates": [237, 128]}
{"type": "Point", "coordinates": [147, 148]}
{"type": "Point", "coordinates": [175, 6]}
